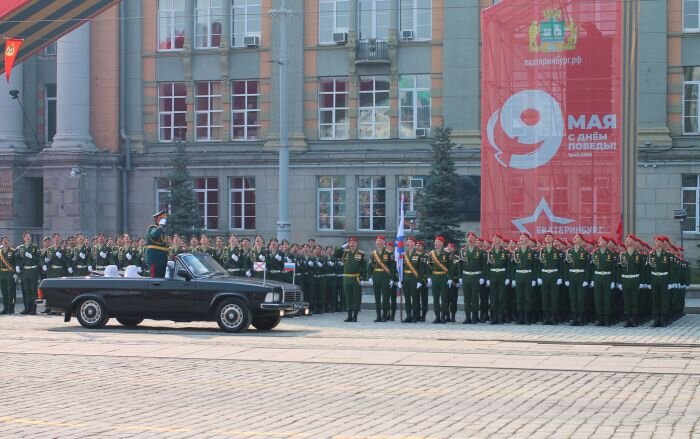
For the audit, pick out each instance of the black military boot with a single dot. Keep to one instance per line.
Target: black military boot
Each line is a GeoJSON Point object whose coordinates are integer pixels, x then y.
{"type": "Point", "coordinates": [379, 316]}
{"type": "Point", "coordinates": [628, 322]}
{"type": "Point", "coordinates": [385, 316]}
{"type": "Point", "coordinates": [349, 319]}
{"type": "Point", "coordinates": [437, 317]}
{"type": "Point", "coordinates": [467, 318]}
{"type": "Point", "coordinates": [601, 321]}
{"type": "Point", "coordinates": [392, 315]}
{"type": "Point", "coordinates": [409, 317]}
{"type": "Point", "coordinates": [354, 316]}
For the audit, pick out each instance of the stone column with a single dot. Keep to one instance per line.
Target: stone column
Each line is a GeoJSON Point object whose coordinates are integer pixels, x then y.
{"type": "Point", "coordinates": [11, 122]}
{"type": "Point", "coordinates": [73, 91]}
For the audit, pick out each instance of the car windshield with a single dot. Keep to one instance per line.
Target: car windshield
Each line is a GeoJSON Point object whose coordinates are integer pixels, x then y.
{"type": "Point", "coordinates": [202, 265]}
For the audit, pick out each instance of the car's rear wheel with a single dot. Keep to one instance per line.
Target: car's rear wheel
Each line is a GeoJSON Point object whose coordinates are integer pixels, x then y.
{"type": "Point", "coordinates": [233, 315]}
{"type": "Point", "coordinates": [92, 314]}
{"type": "Point", "coordinates": [129, 322]}
{"type": "Point", "coordinates": [265, 323]}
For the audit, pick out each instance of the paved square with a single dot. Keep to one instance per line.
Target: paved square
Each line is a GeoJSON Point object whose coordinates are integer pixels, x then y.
{"type": "Point", "coordinates": [317, 377]}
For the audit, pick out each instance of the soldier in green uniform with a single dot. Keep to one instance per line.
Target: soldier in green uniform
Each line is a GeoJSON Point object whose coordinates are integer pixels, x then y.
{"type": "Point", "coordinates": [339, 269]}
{"type": "Point", "coordinates": [125, 253]}
{"type": "Point", "coordinates": [274, 262]}
{"type": "Point", "coordinates": [80, 256]}
{"type": "Point", "coordinates": [577, 275]}
{"type": "Point", "coordinates": [549, 268]}
{"type": "Point", "coordinates": [27, 260]}
{"type": "Point", "coordinates": [660, 263]}
{"type": "Point", "coordinates": [56, 262]}
{"type": "Point", "coordinates": [393, 287]}
{"type": "Point", "coordinates": [423, 289]}
{"type": "Point", "coordinates": [604, 261]}
{"type": "Point", "coordinates": [331, 280]}
{"type": "Point", "coordinates": [7, 276]}
{"type": "Point", "coordinates": [497, 260]}
{"type": "Point", "coordinates": [440, 267]}
{"type": "Point", "coordinates": [244, 258]}
{"type": "Point", "coordinates": [628, 273]}
{"type": "Point", "coordinates": [353, 266]}
{"type": "Point", "coordinates": [157, 245]}
{"type": "Point", "coordinates": [381, 271]}
{"type": "Point", "coordinates": [470, 265]}
{"type": "Point", "coordinates": [305, 271]}
{"type": "Point", "coordinates": [413, 272]}
{"type": "Point", "coordinates": [232, 254]}
{"type": "Point", "coordinates": [101, 255]}
{"type": "Point", "coordinates": [319, 278]}
{"type": "Point", "coordinates": [453, 290]}
{"type": "Point", "coordinates": [177, 247]}
{"type": "Point", "coordinates": [258, 253]}
{"type": "Point", "coordinates": [524, 265]}
{"type": "Point", "coordinates": [219, 250]}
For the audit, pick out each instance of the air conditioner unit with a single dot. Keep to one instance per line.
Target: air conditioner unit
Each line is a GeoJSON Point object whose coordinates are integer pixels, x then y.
{"type": "Point", "coordinates": [407, 34]}
{"type": "Point", "coordinates": [422, 132]}
{"type": "Point", "coordinates": [340, 37]}
{"type": "Point", "coordinates": [251, 41]}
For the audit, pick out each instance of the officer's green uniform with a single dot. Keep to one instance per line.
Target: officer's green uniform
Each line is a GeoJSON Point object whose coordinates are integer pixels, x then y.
{"type": "Point", "coordinates": [382, 269]}
{"type": "Point", "coordinates": [232, 261]}
{"type": "Point", "coordinates": [319, 280]}
{"type": "Point", "coordinates": [79, 260]}
{"type": "Point", "coordinates": [603, 276]}
{"type": "Point", "coordinates": [331, 284]}
{"type": "Point", "coordinates": [550, 265]}
{"type": "Point", "coordinates": [101, 257]}
{"type": "Point", "coordinates": [27, 259]}
{"type": "Point", "coordinates": [524, 264]}
{"type": "Point", "coordinates": [353, 266]}
{"type": "Point", "coordinates": [305, 277]}
{"type": "Point", "coordinates": [156, 250]}
{"type": "Point", "coordinates": [57, 262]}
{"type": "Point", "coordinates": [472, 264]}
{"type": "Point", "coordinates": [497, 268]}
{"type": "Point", "coordinates": [413, 272]}
{"type": "Point", "coordinates": [629, 276]}
{"type": "Point", "coordinates": [441, 268]}
{"type": "Point", "coordinates": [274, 263]}
{"type": "Point", "coordinates": [660, 263]}
{"type": "Point", "coordinates": [7, 281]}
{"type": "Point", "coordinates": [577, 273]}
{"type": "Point", "coordinates": [341, 299]}
{"type": "Point", "coordinates": [258, 255]}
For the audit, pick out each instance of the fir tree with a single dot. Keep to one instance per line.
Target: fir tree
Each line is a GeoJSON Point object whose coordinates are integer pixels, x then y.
{"type": "Point", "coordinates": [184, 213]}
{"type": "Point", "coordinates": [438, 206]}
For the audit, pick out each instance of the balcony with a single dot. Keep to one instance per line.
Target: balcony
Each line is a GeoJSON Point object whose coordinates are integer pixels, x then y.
{"type": "Point", "coordinates": [372, 50]}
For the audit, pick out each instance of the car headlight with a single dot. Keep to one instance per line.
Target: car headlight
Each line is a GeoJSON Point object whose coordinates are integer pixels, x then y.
{"type": "Point", "coordinates": [272, 297]}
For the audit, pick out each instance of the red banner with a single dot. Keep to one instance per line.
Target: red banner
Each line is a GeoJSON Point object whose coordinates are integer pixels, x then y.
{"type": "Point", "coordinates": [12, 46]}
{"type": "Point", "coordinates": [551, 117]}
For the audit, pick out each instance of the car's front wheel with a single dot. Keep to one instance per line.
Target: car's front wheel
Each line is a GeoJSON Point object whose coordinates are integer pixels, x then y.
{"type": "Point", "coordinates": [129, 322]}
{"type": "Point", "coordinates": [233, 315]}
{"type": "Point", "coordinates": [265, 323]}
{"type": "Point", "coordinates": [92, 314]}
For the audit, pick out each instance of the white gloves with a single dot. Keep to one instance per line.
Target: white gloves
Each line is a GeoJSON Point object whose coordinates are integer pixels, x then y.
{"type": "Point", "coordinates": [430, 282]}
{"type": "Point", "coordinates": [70, 270]}
{"type": "Point", "coordinates": [481, 281]}
{"type": "Point", "coordinates": [248, 273]}
{"type": "Point", "coordinates": [459, 284]}
{"type": "Point", "coordinates": [139, 270]}
{"type": "Point", "coordinates": [513, 283]}
{"type": "Point", "coordinates": [449, 283]}
{"type": "Point", "coordinates": [670, 286]}
{"type": "Point", "coordinates": [103, 255]}
{"type": "Point", "coordinates": [16, 278]}
{"type": "Point", "coordinates": [278, 257]}
{"type": "Point", "coordinates": [310, 263]}
{"type": "Point", "coordinates": [391, 284]}
{"type": "Point", "coordinates": [90, 268]}
{"type": "Point", "coordinates": [162, 222]}
{"type": "Point", "coordinates": [612, 285]}
{"type": "Point", "coordinates": [539, 281]}
{"type": "Point", "coordinates": [400, 284]}
{"type": "Point", "coordinates": [566, 283]}
{"type": "Point", "coordinates": [319, 264]}
{"type": "Point", "coordinates": [128, 256]}
{"type": "Point", "coordinates": [46, 260]}
{"type": "Point", "coordinates": [558, 281]}
{"type": "Point", "coordinates": [585, 284]}
{"type": "Point", "coordinates": [592, 284]}
{"type": "Point", "coordinates": [488, 283]}
{"type": "Point", "coordinates": [234, 257]}
{"type": "Point", "coordinates": [507, 282]}
{"type": "Point", "coordinates": [82, 255]}
{"type": "Point", "coordinates": [331, 263]}
{"type": "Point", "coordinates": [17, 269]}
{"type": "Point", "coordinates": [534, 282]}
{"type": "Point", "coordinates": [419, 285]}
{"type": "Point", "coordinates": [44, 268]}
{"type": "Point", "coordinates": [619, 287]}
{"type": "Point", "coordinates": [27, 255]}
{"type": "Point", "coordinates": [370, 282]}
{"type": "Point", "coordinates": [340, 263]}
{"type": "Point", "coordinates": [261, 258]}
{"type": "Point", "coordinates": [58, 255]}
{"type": "Point", "coordinates": [286, 259]}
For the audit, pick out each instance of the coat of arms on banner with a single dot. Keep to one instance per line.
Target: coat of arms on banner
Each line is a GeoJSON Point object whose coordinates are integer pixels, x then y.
{"type": "Point", "coordinates": [553, 34]}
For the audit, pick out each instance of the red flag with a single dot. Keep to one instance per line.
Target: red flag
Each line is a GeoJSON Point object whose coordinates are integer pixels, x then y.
{"type": "Point", "coordinates": [12, 46]}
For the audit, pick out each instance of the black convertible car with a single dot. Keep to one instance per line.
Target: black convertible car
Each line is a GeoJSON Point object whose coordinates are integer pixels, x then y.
{"type": "Point", "coordinates": [199, 289]}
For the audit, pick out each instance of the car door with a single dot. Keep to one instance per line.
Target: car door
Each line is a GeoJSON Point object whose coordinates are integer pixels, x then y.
{"type": "Point", "coordinates": [125, 297]}
{"type": "Point", "coordinates": [171, 298]}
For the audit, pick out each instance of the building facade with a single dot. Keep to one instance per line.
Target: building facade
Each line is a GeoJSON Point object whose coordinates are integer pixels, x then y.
{"type": "Point", "coordinates": [368, 81]}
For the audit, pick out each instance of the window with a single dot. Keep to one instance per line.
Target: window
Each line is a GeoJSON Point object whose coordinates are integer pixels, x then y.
{"type": "Point", "coordinates": [334, 16]}
{"type": "Point", "coordinates": [171, 24]}
{"type": "Point", "coordinates": [414, 99]}
{"type": "Point", "coordinates": [689, 202]}
{"type": "Point", "coordinates": [206, 191]}
{"type": "Point", "coordinates": [162, 194]}
{"type": "Point", "coordinates": [691, 12]}
{"type": "Point", "coordinates": [409, 190]}
{"type": "Point", "coordinates": [691, 92]}
{"type": "Point", "coordinates": [374, 108]}
{"type": "Point", "coordinates": [208, 111]}
{"type": "Point", "coordinates": [374, 17]}
{"type": "Point", "coordinates": [245, 110]}
{"type": "Point", "coordinates": [416, 16]}
{"type": "Point", "coordinates": [333, 108]}
{"type": "Point", "coordinates": [51, 49]}
{"type": "Point", "coordinates": [371, 203]}
{"type": "Point", "coordinates": [208, 18]}
{"type": "Point", "coordinates": [50, 113]}
{"type": "Point", "coordinates": [172, 108]}
{"type": "Point", "coordinates": [331, 203]}
{"type": "Point", "coordinates": [245, 20]}
{"type": "Point", "coordinates": [242, 191]}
